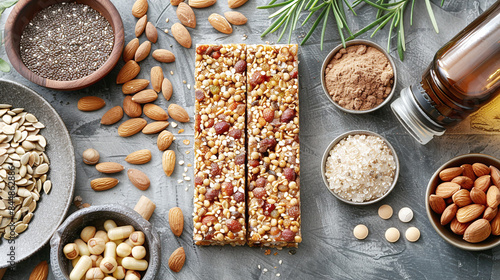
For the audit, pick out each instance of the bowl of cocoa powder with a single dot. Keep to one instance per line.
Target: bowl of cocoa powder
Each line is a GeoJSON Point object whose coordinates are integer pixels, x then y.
{"type": "Point", "coordinates": [359, 78]}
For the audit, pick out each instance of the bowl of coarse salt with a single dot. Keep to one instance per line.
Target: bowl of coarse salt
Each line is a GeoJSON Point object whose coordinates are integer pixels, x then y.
{"type": "Point", "coordinates": [360, 167]}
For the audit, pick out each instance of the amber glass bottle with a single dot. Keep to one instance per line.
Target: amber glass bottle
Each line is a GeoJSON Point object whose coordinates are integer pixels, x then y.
{"type": "Point", "coordinates": [464, 75]}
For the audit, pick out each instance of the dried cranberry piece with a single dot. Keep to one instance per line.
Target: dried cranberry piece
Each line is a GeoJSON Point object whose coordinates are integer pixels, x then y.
{"type": "Point", "coordinates": [259, 192]}
{"type": "Point", "coordinates": [294, 211]}
{"type": "Point", "coordinates": [240, 66]}
{"type": "Point", "coordinates": [201, 49]}
{"type": "Point", "coordinates": [198, 180]}
{"type": "Point", "coordinates": [240, 159]}
{"type": "Point", "coordinates": [289, 174]}
{"type": "Point", "coordinates": [216, 55]}
{"type": "Point", "coordinates": [294, 74]}
{"type": "Point", "coordinates": [253, 163]}
{"type": "Point", "coordinates": [199, 95]}
{"type": "Point", "coordinates": [221, 127]}
{"type": "Point", "coordinates": [197, 123]}
{"type": "Point", "coordinates": [235, 133]}
{"type": "Point", "coordinates": [209, 235]}
{"type": "Point", "coordinates": [288, 235]}
{"type": "Point", "coordinates": [227, 188]}
{"type": "Point", "coordinates": [268, 114]}
{"type": "Point", "coordinates": [209, 220]}
{"type": "Point", "coordinates": [261, 182]}
{"type": "Point", "coordinates": [215, 169]}
{"type": "Point", "coordinates": [239, 197]}
{"type": "Point", "coordinates": [267, 144]}
{"type": "Point", "coordinates": [211, 194]}
{"type": "Point", "coordinates": [288, 115]}
{"type": "Point", "coordinates": [257, 79]}
{"type": "Point", "coordinates": [268, 208]}
{"type": "Point", "coordinates": [233, 225]}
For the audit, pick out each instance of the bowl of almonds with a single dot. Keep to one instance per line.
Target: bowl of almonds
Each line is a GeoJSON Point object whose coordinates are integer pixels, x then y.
{"type": "Point", "coordinates": [462, 201]}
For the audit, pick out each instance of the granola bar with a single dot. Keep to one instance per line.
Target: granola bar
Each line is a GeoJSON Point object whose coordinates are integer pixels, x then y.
{"type": "Point", "coordinates": [220, 106]}
{"type": "Point", "coordinates": [273, 146]}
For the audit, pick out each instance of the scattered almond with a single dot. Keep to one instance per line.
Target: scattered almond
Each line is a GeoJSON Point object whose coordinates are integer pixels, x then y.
{"type": "Point", "coordinates": [483, 182]}
{"type": "Point", "coordinates": [134, 86]}
{"type": "Point", "coordinates": [131, 127]}
{"type": "Point", "coordinates": [155, 112]}
{"type": "Point", "coordinates": [130, 49]}
{"type": "Point", "coordinates": [167, 89]}
{"type": "Point", "coordinates": [457, 227]}
{"type": "Point", "coordinates": [178, 113]}
{"type": "Point", "coordinates": [109, 167]}
{"type": "Point", "coordinates": [155, 127]}
{"type": "Point", "coordinates": [186, 15]}
{"type": "Point", "coordinates": [128, 72]}
{"type": "Point", "coordinates": [90, 103]}
{"type": "Point", "coordinates": [449, 173]}
{"type": "Point", "coordinates": [140, 8]}
{"type": "Point", "coordinates": [163, 55]}
{"type": "Point", "coordinates": [235, 18]}
{"type": "Point", "coordinates": [447, 189]}
{"type": "Point", "coordinates": [139, 179]}
{"type": "Point", "coordinates": [131, 108]}
{"type": "Point", "coordinates": [464, 182]}
{"type": "Point", "coordinates": [493, 197]}
{"type": "Point", "coordinates": [176, 220]}
{"type": "Point", "coordinates": [477, 231]}
{"type": "Point", "coordinates": [145, 96]}
{"type": "Point", "coordinates": [181, 35]}
{"type": "Point", "coordinates": [478, 196]}
{"type": "Point", "coordinates": [168, 162]}
{"type": "Point", "coordinates": [448, 214]}
{"type": "Point", "coordinates": [143, 51]}
{"type": "Point", "coordinates": [164, 140]}
{"type": "Point", "coordinates": [177, 259]}
{"type": "Point", "coordinates": [220, 23]}
{"type": "Point", "coordinates": [156, 78]}
{"type": "Point", "coordinates": [40, 272]}
{"type": "Point", "coordinates": [112, 116]}
{"type": "Point", "coordinates": [140, 26]}
{"type": "Point", "coordinates": [139, 157]}
{"type": "Point", "coordinates": [470, 212]}
{"type": "Point", "coordinates": [468, 171]}
{"type": "Point", "coordinates": [102, 184]}
{"type": "Point", "coordinates": [200, 4]}
{"type": "Point", "coordinates": [233, 4]}
{"type": "Point", "coordinates": [151, 32]}
{"type": "Point", "coordinates": [480, 169]}
{"type": "Point", "coordinates": [462, 198]}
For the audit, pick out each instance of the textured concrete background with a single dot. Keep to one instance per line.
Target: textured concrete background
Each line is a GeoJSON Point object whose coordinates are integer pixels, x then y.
{"type": "Point", "coordinates": [329, 250]}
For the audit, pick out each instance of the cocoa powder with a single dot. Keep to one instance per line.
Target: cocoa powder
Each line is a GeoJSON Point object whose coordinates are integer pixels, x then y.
{"type": "Point", "coordinates": [359, 77]}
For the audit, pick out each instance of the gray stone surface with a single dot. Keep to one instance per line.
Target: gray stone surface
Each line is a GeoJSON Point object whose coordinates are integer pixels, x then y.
{"type": "Point", "coordinates": [329, 249]}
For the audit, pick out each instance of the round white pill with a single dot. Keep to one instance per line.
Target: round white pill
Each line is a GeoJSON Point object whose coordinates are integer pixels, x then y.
{"type": "Point", "coordinates": [360, 232]}
{"type": "Point", "coordinates": [385, 211]}
{"type": "Point", "coordinates": [405, 214]}
{"type": "Point", "coordinates": [392, 234]}
{"type": "Point", "coordinates": [412, 234]}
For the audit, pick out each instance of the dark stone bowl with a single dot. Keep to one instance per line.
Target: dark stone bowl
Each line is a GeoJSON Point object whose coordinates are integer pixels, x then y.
{"type": "Point", "coordinates": [51, 208]}
{"type": "Point", "coordinates": [95, 216]}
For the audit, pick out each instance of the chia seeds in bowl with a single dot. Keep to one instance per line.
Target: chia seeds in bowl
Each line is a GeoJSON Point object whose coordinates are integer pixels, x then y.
{"type": "Point", "coordinates": [66, 42]}
{"type": "Point", "coordinates": [360, 167]}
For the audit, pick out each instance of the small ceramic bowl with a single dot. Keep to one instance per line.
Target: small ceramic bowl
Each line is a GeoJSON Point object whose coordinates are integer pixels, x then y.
{"type": "Point", "coordinates": [352, 43]}
{"type": "Point", "coordinates": [25, 10]}
{"type": "Point", "coordinates": [435, 219]}
{"type": "Point", "coordinates": [335, 142]}
{"type": "Point", "coordinates": [95, 216]}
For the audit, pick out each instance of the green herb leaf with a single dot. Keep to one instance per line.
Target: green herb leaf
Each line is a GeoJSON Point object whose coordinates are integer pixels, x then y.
{"type": "Point", "coordinates": [4, 66]}
{"type": "Point", "coordinates": [431, 15]}
{"type": "Point", "coordinates": [8, 3]}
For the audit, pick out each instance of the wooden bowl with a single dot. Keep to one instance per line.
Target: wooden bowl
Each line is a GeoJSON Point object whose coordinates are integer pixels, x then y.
{"type": "Point", "coordinates": [25, 10]}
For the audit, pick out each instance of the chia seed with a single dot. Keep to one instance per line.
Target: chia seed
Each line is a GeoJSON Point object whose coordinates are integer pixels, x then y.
{"type": "Point", "coordinates": [66, 41]}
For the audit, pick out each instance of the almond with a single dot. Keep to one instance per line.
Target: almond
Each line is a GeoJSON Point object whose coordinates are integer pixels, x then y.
{"type": "Point", "coordinates": [186, 15]}
{"type": "Point", "coordinates": [145, 96]}
{"type": "Point", "coordinates": [131, 127]}
{"type": "Point", "coordinates": [163, 55]}
{"type": "Point", "coordinates": [462, 198]}
{"type": "Point", "coordinates": [130, 49]}
{"type": "Point", "coordinates": [90, 103]}
{"type": "Point", "coordinates": [178, 113]}
{"type": "Point", "coordinates": [480, 169]}
{"type": "Point", "coordinates": [468, 171]}
{"type": "Point", "coordinates": [495, 175]}
{"type": "Point", "coordinates": [40, 272]}
{"type": "Point", "coordinates": [220, 23]}
{"type": "Point", "coordinates": [156, 78]}
{"type": "Point", "coordinates": [143, 51]}
{"type": "Point", "coordinates": [134, 86]}
{"type": "Point", "coordinates": [493, 197]}
{"type": "Point", "coordinates": [140, 26]}
{"type": "Point", "coordinates": [181, 35]}
{"type": "Point", "coordinates": [155, 112]}
{"type": "Point", "coordinates": [483, 182]}
{"type": "Point", "coordinates": [151, 32]}
{"type": "Point", "coordinates": [477, 231]}
{"type": "Point", "coordinates": [478, 196]}
{"type": "Point", "coordinates": [112, 116]}
{"type": "Point", "coordinates": [464, 182]}
{"type": "Point", "coordinates": [458, 227]}
{"type": "Point", "coordinates": [138, 178]}
{"type": "Point", "coordinates": [102, 184]}
{"type": "Point", "coordinates": [177, 259]}
{"type": "Point", "coordinates": [235, 18]}
{"type": "Point", "coordinates": [448, 214]}
{"type": "Point", "coordinates": [176, 220]}
{"type": "Point", "coordinates": [167, 89]}
{"type": "Point", "coordinates": [490, 213]}
{"type": "Point", "coordinates": [140, 8]}
{"type": "Point", "coordinates": [139, 157]}
{"type": "Point", "coordinates": [175, 2]}
{"type": "Point", "coordinates": [168, 162]}
{"type": "Point", "coordinates": [449, 173]}
{"type": "Point", "coordinates": [131, 108]}
{"type": "Point", "coordinates": [164, 140]}
{"type": "Point", "coordinates": [447, 189]}
{"type": "Point", "coordinates": [109, 167]}
{"type": "Point", "coordinates": [437, 203]}
{"type": "Point", "coordinates": [470, 212]}
{"type": "Point", "coordinates": [495, 225]}
{"type": "Point", "coordinates": [155, 127]}
{"type": "Point", "coordinates": [200, 4]}
{"type": "Point", "coordinates": [128, 72]}
{"type": "Point", "coordinates": [233, 4]}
